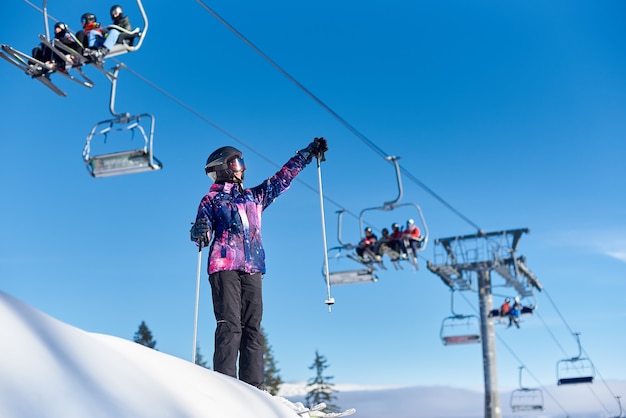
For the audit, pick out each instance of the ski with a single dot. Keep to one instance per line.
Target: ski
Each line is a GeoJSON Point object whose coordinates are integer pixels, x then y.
{"type": "Point", "coordinates": [46, 81]}
{"type": "Point", "coordinates": [32, 67]}
{"type": "Point", "coordinates": [299, 408]}
{"type": "Point", "coordinates": [320, 414]}
{"type": "Point", "coordinates": [82, 60]}
{"type": "Point", "coordinates": [368, 260]}
{"type": "Point", "coordinates": [86, 81]}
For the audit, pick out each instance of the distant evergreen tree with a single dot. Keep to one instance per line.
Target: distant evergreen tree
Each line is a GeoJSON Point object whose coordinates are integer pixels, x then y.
{"type": "Point", "coordinates": [320, 387]}
{"type": "Point", "coordinates": [270, 371]}
{"type": "Point", "coordinates": [143, 336]}
{"type": "Point", "coordinates": [200, 361]}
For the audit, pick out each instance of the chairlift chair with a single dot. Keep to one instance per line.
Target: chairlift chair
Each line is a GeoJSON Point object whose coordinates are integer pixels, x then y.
{"type": "Point", "coordinates": [575, 370]}
{"type": "Point", "coordinates": [459, 329]}
{"type": "Point", "coordinates": [337, 254]}
{"type": "Point", "coordinates": [122, 161]}
{"type": "Point", "coordinates": [526, 399]}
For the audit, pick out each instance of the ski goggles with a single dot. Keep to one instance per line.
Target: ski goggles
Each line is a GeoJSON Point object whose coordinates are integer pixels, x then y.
{"type": "Point", "coordinates": [237, 164]}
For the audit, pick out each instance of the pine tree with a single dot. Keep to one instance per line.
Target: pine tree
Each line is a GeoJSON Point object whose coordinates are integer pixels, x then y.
{"type": "Point", "coordinates": [321, 389]}
{"type": "Point", "coordinates": [270, 371]}
{"type": "Point", "coordinates": [199, 360]}
{"type": "Point", "coordinates": [143, 336]}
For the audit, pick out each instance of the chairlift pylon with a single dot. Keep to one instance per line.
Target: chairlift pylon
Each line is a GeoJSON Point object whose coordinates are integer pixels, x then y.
{"type": "Point", "coordinates": [459, 329]}
{"type": "Point", "coordinates": [125, 161]}
{"type": "Point", "coordinates": [526, 399]}
{"type": "Point", "coordinates": [575, 370]}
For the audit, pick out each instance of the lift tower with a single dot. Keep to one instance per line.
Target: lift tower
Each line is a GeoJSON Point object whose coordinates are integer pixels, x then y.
{"type": "Point", "coordinates": [459, 261]}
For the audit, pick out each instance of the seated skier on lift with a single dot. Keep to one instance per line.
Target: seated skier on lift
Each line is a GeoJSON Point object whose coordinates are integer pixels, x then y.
{"type": "Point", "coordinates": [62, 35]}
{"type": "Point", "coordinates": [381, 247]}
{"type": "Point", "coordinates": [113, 36]}
{"type": "Point", "coordinates": [412, 234]}
{"type": "Point", "coordinates": [515, 312]}
{"type": "Point", "coordinates": [365, 249]}
{"type": "Point", "coordinates": [92, 37]}
{"type": "Point", "coordinates": [396, 243]}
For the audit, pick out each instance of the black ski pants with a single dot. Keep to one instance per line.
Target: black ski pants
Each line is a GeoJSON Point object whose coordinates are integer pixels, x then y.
{"type": "Point", "coordinates": [238, 308]}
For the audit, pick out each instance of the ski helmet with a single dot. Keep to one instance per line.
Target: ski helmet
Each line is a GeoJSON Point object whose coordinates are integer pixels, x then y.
{"type": "Point", "coordinates": [62, 26]}
{"type": "Point", "coordinates": [88, 18]}
{"type": "Point", "coordinates": [116, 11]}
{"type": "Point", "coordinates": [223, 163]}
{"type": "Point", "coordinates": [395, 226]}
{"type": "Point", "coordinates": [410, 222]}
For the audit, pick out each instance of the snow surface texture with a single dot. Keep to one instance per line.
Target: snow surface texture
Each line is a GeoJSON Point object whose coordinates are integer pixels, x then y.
{"type": "Point", "coordinates": [51, 369]}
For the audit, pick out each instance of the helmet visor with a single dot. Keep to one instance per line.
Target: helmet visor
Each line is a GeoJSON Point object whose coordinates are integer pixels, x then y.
{"type": "Point", "coordinates": [237, 164]}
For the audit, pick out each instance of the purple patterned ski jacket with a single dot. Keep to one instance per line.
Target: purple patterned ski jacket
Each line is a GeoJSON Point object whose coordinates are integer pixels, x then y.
{"type": "Point", "coordinates": [234, 219]}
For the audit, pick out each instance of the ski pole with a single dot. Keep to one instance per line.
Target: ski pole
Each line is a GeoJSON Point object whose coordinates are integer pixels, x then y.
{"type": "Point", "coordinates": [330, 301]}
{"type": "Point", "coordinates": [195, 321]}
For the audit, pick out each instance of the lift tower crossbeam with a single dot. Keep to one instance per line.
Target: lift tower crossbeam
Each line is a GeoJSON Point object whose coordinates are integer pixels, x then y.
{"type": "Point", "coordinates": [459, 260]}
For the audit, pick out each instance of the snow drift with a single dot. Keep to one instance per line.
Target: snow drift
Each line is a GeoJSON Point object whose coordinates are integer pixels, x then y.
{"type": "Point", "coordinates": [51, 369]}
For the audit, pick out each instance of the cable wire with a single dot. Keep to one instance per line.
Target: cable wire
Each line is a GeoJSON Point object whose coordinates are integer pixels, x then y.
{"type": "Point", "coordinates": [228, 134]}
{"type": "Point", "coordinates": [341, 120]}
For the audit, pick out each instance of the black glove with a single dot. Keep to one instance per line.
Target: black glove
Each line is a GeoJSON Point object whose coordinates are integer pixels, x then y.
{"type": "Point", "coordinates": [317, 148]}
{"type": "Point", "coordinates": [199, 232]}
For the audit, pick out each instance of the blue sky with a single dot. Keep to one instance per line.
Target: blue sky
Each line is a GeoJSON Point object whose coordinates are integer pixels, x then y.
{"type": "Point", "coordinates": [511, 112]}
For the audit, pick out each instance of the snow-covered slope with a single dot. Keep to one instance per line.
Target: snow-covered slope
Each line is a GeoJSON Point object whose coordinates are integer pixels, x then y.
{"type": "Point", "coordinates": [51, 369]}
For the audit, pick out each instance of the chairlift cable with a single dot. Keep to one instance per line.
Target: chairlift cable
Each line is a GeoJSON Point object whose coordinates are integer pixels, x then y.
{"type": "Point", "coordinates": [351, 128]}
{"type": "Point", "coordinates": [40, 10]}
{"type": "Point", "coordinates": [228, 134]}
{"type": "Point", "coordinates": [556, 341]}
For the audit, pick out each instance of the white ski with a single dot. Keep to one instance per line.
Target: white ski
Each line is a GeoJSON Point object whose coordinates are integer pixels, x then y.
{"type": "Point", "coordinates": [320, 414]}
{"type": "Point", "coordinates": [299, 408]}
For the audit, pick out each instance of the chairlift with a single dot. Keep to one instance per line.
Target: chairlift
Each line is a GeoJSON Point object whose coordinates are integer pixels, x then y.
{"type": "Point", "coordinates": [129, 41]}
{"type": "Point", "coordinates": [348, 276]}
{"type": "Point", "coordinates": [122, 161]}
{"type": "Point", "coordinates": [576, 369]}
{"type": "Point", "coordinates": [526, 399]}
{"type": "Point", "coordinates": [392, 205]}
{"type": "Point", "coordinates": [40, 71]}
{"type": "Point", "coordinates": [459, 329]}
{"type": "Point", "coordinates": [337, 255]}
